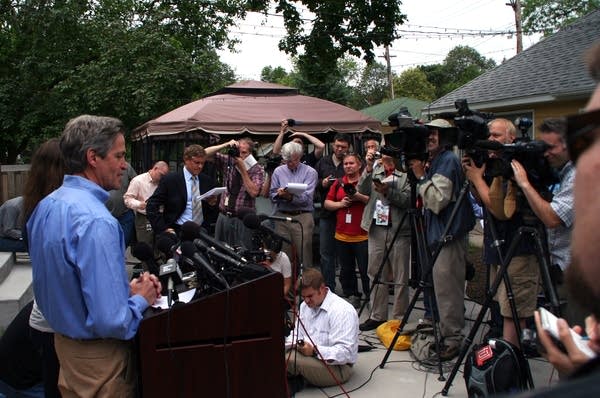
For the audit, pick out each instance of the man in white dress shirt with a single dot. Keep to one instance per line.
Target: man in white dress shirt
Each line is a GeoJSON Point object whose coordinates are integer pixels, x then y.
{"type": "Point", "coordinates": [325, 336]}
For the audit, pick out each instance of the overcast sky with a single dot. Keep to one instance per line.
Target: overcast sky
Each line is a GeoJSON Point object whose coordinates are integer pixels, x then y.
{"type": "Point", "coordinates": [433, 28]}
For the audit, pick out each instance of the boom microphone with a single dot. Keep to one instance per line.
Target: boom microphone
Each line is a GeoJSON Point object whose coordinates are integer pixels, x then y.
{"type": "Point", "coordinates": [189, 250]}
{"type": "Point", "coordinates": [253, 221]}
{"type": "Point", "coordinates": [193, 231]}
{"type": "Point", "coordinates": [212, 252]}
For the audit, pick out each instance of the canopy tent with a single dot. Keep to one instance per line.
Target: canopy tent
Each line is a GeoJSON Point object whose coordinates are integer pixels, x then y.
{"type": "Point", "coordinates": [253, 107]}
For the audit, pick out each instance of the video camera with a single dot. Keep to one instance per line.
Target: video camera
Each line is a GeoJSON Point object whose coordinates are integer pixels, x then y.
{"type": "Point", "coordinates": [473, 136]}
{"type": "Point", "coordinates": [408, 140]}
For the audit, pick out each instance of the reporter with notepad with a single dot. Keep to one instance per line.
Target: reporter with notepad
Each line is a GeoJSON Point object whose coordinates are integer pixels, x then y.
{"type": "Point", "coordinates": [243, 177]}
{"type": "Point", "coordinates": [297, 206]}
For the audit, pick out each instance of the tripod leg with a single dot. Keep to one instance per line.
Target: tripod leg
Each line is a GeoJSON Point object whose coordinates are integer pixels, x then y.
{"type": "Point", "coordinates": [542, 256]}
{"type": "Point", "coordinates": [500, 276]}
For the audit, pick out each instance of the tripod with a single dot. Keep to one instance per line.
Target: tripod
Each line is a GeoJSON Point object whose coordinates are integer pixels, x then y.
{"type": "Point", "coordinates": [502, 275]}
{"type": "Point", "coordinates": [426, 259]}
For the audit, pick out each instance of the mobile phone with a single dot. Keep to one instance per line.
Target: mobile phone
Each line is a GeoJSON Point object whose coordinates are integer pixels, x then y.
{"type": "Point", "coordinates": [549, 320]}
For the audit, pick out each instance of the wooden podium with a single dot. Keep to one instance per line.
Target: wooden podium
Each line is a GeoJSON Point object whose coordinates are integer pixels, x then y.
{"type": "Point", "coordinates": [182, 351]}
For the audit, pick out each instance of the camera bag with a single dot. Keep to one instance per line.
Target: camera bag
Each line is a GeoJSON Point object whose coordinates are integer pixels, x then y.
{"type": "Point", "coordinates": [493, 368]}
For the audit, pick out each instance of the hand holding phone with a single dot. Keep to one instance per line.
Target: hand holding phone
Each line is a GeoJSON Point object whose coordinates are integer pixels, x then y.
{"type": "Point", "coordinates": [549, 324]}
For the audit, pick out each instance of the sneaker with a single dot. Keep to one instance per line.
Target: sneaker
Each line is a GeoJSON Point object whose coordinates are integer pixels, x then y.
{"type": "Point", "coordinates": [369, 324]}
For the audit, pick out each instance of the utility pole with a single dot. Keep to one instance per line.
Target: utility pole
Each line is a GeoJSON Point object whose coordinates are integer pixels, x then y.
{"type": "Point", "coordinates": [387, 57]}
{"type": "Point", "coordinates": [516, 6]}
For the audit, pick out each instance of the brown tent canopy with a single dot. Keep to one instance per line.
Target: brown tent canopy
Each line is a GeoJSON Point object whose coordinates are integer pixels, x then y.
{"type": "Point", "coordinates": [257, 108]}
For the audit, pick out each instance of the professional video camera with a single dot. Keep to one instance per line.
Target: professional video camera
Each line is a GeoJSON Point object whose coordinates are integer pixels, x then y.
{"type": "Point", "coordinates": [408, 140]}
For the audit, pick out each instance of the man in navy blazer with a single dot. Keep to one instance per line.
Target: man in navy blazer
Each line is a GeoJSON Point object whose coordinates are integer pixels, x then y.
{"type": "Point", "coordinates": [171, 204]}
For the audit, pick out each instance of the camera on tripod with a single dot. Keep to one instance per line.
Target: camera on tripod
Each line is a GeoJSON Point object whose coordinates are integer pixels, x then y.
{"type": "Point", "coordinates": [408, 140]}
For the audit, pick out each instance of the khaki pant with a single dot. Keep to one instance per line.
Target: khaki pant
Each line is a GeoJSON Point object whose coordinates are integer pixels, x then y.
{"type": "Point", "coordinates": [315, 372]}
{"type": "Point", "coordinates": [397, 265]}
{"type": "Point", "coordinates": [301, 235]}
{"type": "Point", "coordinates": [524, 275]}
{"type": "Point", "coordinates": [95, 368]}
{"type": "Point", "coordinates": [449, 286]}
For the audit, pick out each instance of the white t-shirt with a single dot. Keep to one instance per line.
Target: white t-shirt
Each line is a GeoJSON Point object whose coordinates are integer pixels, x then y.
{"type": "Point", "coordinates": [282, 264]}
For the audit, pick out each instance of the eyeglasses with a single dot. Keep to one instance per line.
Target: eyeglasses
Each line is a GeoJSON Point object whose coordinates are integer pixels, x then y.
{"type": "Point", "coordinates": [582, 131]}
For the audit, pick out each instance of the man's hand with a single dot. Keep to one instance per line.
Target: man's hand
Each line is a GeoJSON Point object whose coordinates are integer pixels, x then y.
{"type": "Point", "coordinates": [564, 363]}
{"type": "Point", "coordinates": [306, 349]}
{"type": "Point", "coordinates": [417, 166]}
{"type": "Point", "coordinates": [284, 194]}
{"type": "Point", "coordinates": [284, 126]}
{"type": "Point", "coordinates": [472, 172]}
{"type": "Point", "coordinates": [370, 159]}
{"type": "Point", "coordinates": [327, 181]}
{"type": "Point", "coordinates": [520, 174]}
{"type": "Point", "coordinates": [147, 285]}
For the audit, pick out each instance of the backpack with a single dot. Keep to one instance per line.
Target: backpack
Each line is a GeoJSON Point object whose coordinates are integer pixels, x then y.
{"type": "Point", "coordinates": [493, 368]}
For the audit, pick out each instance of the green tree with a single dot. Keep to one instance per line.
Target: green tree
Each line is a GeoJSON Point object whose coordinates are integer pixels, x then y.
{"type": "Point", "coordinates": [548, 16]}
{"type": "Point", "coordinates": [413, 83]}
{"type": "Point", "coordinates": [372, 88]}
{"type": "Point", "coordinates": [274, 75]}
{"type": "Point", "coordinates": [136, 59]}
{"type": "Point", "coordinates": [339, 28]}
{"type": "Point", "coordinates": [461, 65]}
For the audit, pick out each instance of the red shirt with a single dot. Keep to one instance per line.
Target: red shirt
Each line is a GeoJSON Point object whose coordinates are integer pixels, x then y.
{"type": "Point", "coordinates": [347, 231]}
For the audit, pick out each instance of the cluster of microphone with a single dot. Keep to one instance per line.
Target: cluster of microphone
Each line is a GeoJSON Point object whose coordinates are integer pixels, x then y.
{"type": "Point", "coordinates": [213, 262]}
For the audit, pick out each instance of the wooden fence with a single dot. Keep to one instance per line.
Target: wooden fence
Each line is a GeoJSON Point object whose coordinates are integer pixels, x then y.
{"type": "Point", "coordinates": [12, 180]}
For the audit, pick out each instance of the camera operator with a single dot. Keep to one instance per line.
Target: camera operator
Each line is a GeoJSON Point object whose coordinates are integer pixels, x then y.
{"type": "Point", "coordinates": [277, 261]}
{"type": "Point", "coordinates": [243, 177]}
{"type": "Point", "coordinates": [439, 188]}
{"type": "Point", "coordinates": [328, 170]}
{"type": "Point", "coordinates": [311, 158]}
{"type": "Point", "coordinates": [558, 214]}
{"type": "Point", "coordinates": [498, 198]}
{"type": "Point", "coordinates": [389, 196]}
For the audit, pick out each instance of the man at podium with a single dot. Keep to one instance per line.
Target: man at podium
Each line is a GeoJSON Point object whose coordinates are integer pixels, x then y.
{"type": "Point", "coordinates": [325, 336]}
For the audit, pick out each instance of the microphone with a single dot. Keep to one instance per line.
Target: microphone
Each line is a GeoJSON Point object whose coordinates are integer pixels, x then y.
{"type": "Point", "coordinates": [143, 252]}
{"type": "Point", "coordinates": [193, 231]}
{"type": "Point", "coordinates": [170, 275]}
{"type": "Point", "coordinates": [168, 244]}
{"type": "Point", "coordinates": [212, 252]}
{"type": "Point", "coordinates": [189, 251]}
{"type": "Point", "coordinates": [253, 221]}
{"type": "Point", "coordinates": [488, 145]}
{"type": "Point", "coordinates": [263, 217]}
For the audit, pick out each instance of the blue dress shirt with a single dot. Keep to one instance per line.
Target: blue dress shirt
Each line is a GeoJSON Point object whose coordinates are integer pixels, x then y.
{"type": "Point", "coordinates": [78, 259]}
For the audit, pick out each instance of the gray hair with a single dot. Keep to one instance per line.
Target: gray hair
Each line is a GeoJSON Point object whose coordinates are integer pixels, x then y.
{"type": "Point", "coordinates": [88, 132]}
{"type": "Point", "coordinates": [290, 149]}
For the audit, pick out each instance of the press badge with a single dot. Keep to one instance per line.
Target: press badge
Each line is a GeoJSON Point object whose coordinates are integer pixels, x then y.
{"type": "Point", "coordinates": [382, 213]}
{"type": "Point", "coordinates": [348, 218]}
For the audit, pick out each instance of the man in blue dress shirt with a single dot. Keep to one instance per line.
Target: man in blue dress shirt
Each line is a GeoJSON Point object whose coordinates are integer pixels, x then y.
{"type": "Point", "coordinates": [77, 253]}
